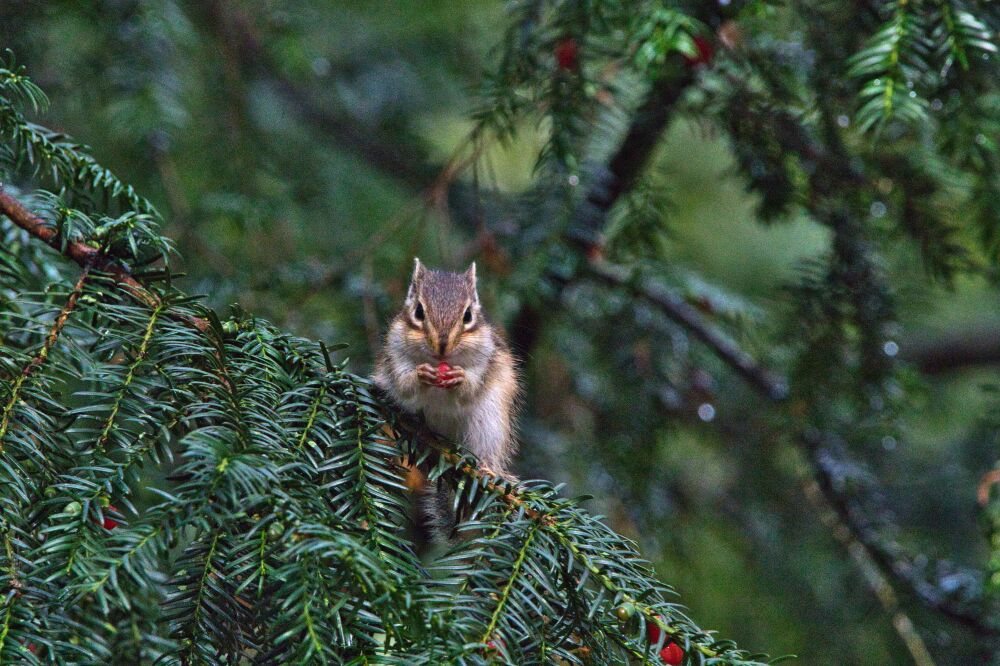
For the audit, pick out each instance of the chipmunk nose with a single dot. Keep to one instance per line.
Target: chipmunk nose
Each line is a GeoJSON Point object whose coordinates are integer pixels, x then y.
{"type": "Point", "coordinates": [442, 347]}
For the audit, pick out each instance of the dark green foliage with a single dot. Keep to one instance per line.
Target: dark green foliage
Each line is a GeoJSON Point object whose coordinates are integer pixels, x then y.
{"type": "Point", "coordinates": [912, 55]}
{"type": "Point", "coordinates": [798, 195]}
{"type": "Point", "coordinates": [281, 534]}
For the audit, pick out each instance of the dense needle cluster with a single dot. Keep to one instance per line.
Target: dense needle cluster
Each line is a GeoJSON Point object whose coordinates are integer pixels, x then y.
{"type": "Point", "coordinates": [279, 533]}
{"type": "Point", "coordinates": [182, 488]}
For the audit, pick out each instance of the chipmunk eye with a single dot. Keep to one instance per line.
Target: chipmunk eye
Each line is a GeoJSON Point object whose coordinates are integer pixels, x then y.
{"type": "Point", "coordinates": [467, 317]}
{"type": "Point", "coordinates": [418, 313]}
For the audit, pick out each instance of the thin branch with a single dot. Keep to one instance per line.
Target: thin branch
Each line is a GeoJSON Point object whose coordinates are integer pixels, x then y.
{"type": "Point", "coordinates": [37, 361]}
{"type": "Point", "coordinates": [505, 592]}
{"type": "Point", "coordinates": [873, 575]}
{"type": "Point", "coordinates": [140, 357]}
{"type": "Point", "coordinates": [954, 350]}
{"type": "Point", "coordinates": [14, 582]}
{"type": "Point", "coordinates": [617, 178]}
{"type": "Point", "coordinates": [886, 555]}
{"type": "Point", "coordinates": [676, 309]}
{"type": "Point", "coordinates": [630, 160]}
{"type": "Point", "coordinates": [81, 253]}
{"type": "Point", "coordinates": [393, 158]}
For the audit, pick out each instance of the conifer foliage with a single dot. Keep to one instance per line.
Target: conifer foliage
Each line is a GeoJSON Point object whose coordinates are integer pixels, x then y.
{"type": "Point", "coordinates": [277, 529]}
{"type": "Point", "coordinates": [178, 486]}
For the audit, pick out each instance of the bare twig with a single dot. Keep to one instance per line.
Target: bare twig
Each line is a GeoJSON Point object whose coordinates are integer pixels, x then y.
{"type": "Point", "coordinates": [886, 555]}
{"type": "Point", "coordinates": [679, 311]}
{"type": "Point", "coordinates": [955, 350]}
{"type": "Point", "coordinates": [989, 480]}
{"type": "Point", "coordinates": [401, 162]}
{"type": "Point", "coordinates": [879, 584]}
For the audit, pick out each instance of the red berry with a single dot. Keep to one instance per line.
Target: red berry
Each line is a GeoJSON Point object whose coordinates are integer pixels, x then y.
{"type": "Point", "coordinates": [442, 368]}
{"type": "Point", "coordinates": [653, 631]}
{"type": "Point", "coordinates": [595, 251]}
{"type": "Point", "coordinates": [566, 53]}
{"type": "Point", "coordinates": [672, 654]}
{"type": "Point", "coordinates": [109, 522]}
{"type": "Point", "coordinates": [704, 52]}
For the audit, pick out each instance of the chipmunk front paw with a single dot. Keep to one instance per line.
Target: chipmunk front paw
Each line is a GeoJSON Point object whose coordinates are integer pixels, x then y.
{"type": "Point", "coordinates": [451, 377]}
{"type": "Point", "coordinates": [427, 374]}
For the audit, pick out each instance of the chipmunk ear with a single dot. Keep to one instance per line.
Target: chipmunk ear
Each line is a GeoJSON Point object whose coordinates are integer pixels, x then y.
{"type": "Point", "coordinates": [470, 277]}
{"type": "Point", "coordinates": [418, 275]}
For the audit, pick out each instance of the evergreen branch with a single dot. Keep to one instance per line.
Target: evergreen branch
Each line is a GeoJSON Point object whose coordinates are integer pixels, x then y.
{"type": "Point", "coordinates": [67, 162]}
{"type": "Point", "coordinates": [898, 34]}
{"type": "Point", "coordinates": [504, 518]}
{"type": "Point", "coordinates": [16, 84]}
{"type": "Point", "coordinates": [263, 568]}
{"type": "Point", "coordinates": [550, 521]}
{"type": "Point", "coordinates": [834, 180]}
{"type": "Point", "coordinates": [129, 375]}
{"type": "Point", "coordinates": [890, 62]}
{"type": "Point", "coordinates": [43, 354]}
{"type": "Point", "coordinates": [317, 646]}
{"type": "Point", "coordinates": [122, 560]}
{"type": "Point", "coordinates": [366, 500]}
{"type": "Point", "coordinates": [8, 615]}
{"type": "Point", "coordinates": [199, 596]}
{"type": "Point", "coordinates": [955, 43]}
{"type": "Point", "coordinates": [836, 184]}
{"type": "Point", "coordinates": [14, 582]}
{"type": "Point", "coordinates": [505, 592]}
{"type": "Point", "coordinates": [97, 486]}
{"type": "Point", "coordinates": [14, 591]}
{"type": "Point", "coordinates": [82, 253]}
{"type": "Point", "coordinates": [618, 177]}
{"type": "Point", "coordinates": [311, 420]}
{"type": "Point", "coordinates": [633, 154]}
{"type": "Point", "coordinates": [962, 32]}
{"type": "Point", "coordinates": [502, 489]}
{"type": "Point", "coordinates": [647, 611]}
{"type": "Point", "coordinates": [231, 391]}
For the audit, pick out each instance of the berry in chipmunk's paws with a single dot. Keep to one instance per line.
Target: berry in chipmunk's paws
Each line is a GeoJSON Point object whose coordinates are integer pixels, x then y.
{"type": "Point", "coordinates": [443, 368]}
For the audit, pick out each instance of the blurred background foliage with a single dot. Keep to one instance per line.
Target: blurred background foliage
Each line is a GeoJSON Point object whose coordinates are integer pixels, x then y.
{"type": "Point", "coordinates": [298, 151]}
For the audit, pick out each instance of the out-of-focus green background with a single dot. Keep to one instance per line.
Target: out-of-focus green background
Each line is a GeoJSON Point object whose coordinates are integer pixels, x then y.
{"type": "Point", "coordinates": [290, 147]}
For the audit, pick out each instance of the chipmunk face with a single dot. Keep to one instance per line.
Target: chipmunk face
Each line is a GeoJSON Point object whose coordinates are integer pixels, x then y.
{"type": "Point", "coordinates": [442, 312]}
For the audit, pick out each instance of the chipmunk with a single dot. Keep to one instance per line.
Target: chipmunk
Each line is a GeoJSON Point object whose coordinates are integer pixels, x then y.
{"type": "Point", "coordinates": [442, 357]}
